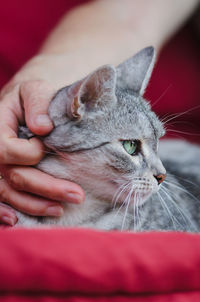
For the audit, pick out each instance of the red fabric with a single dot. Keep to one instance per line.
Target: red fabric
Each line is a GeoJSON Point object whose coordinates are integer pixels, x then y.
{"type": "Point", "coordinates": [86, 265]}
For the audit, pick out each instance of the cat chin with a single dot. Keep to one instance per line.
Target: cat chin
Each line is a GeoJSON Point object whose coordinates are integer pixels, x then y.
{"type": "Point", "coordinates": [141, 194]}
{"type": "Point", "coordinates": [143, 197]}
{"type": "Point", "coordinates": [138, 197]}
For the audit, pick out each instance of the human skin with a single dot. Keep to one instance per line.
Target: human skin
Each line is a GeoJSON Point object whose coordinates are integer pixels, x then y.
{"type": "Point", "coordinates": [93, 34]}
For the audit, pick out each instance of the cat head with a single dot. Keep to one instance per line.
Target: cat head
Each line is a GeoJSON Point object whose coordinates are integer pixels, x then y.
{"type": "Point", "coordinates": [107, 133]}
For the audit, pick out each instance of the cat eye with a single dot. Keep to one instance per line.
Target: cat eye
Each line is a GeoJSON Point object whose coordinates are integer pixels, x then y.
{"type": "Point", "coordinates": [131, 147]}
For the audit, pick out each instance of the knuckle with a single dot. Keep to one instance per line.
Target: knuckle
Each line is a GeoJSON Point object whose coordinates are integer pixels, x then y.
{"type": "Point", "coordinates": [13, 85]}
{"type": "Point", "coordinates": [16, 180]}
{"type": "Point", "coordinates": [32, 209]}
{"type": "Point", "coordinates": [28, 91]}
{"type": "Point", "coordinates": [27, 85]}
{"type": "Point", "coordinates": [38, 156]}
{"type": "Point", "coordinates": [42, 211]}
{"type": "Point", "coordinates": [34, 89]}
{"type": "Point", "coordinates": [38, 150]}
{"type": "Point", "coordinates": [11, 155]}
{"type": "Point", "coordinates": [36, 159]}
{"type": "Point", "coordinates": [33, 86]}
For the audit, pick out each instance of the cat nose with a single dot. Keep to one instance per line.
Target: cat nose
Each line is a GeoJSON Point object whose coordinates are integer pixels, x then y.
{"type": "Point", "coordinates": [160, 178]}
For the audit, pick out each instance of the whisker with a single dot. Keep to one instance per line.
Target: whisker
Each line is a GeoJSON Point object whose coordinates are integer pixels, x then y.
{"type": "Point", "coordinates": [137, 209]}
{"type": "Point", "coordinates": [165, 207]}
{"type": "Point", "coordinates": [160, 97]}
{"type": "Point", "coordinates": [179, 114]}
{"type": "Point", "coordinates": [182, 132]}
{"type": "Point", "coordinates": [118, 193]}
{"type": "Point", "coordinates": [185, 180]}
{"type": "Point", "coordinates": [182, 189]}
{"type": "Point", "coordinates": [180, 123]}
{"type": "Point", "coordinates": [127, 201]}
{"type": "Point", "coordinates": [167, 116]}
{"type": "Point", "coordinates": [181, 211]}
{"type": "Point", "coordinates": [134, 213]}
{"type": "Point", "coordinates": [121, 206]}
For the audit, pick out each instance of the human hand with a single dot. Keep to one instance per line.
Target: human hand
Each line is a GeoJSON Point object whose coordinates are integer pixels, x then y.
{"type": "Point", "coordinates": [22, 186]}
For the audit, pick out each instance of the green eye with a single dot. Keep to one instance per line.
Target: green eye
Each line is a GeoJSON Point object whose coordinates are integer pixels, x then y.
{"type": "Point", "coordinates": [130, 146]}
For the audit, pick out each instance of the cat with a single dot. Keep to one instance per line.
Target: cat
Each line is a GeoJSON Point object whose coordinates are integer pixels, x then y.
{"type": "Point", "coordinates": [105, 138]}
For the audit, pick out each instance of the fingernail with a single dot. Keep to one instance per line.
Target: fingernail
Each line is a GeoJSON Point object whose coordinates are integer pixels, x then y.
{"type": "Point", "coordinates": [74, 198]}
{"type": "Point", "coordinates": [43, 120]}
{"type": "Point", "coordinates": [54, 211]}
{"type": "Point", "coordinates": [8, 220]}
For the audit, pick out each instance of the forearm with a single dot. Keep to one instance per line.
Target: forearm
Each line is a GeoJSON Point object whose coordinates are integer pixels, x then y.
{"type": "Point", "coordinates": [108, 31]}
{"type": "Point", "coordinates": [101, 32]}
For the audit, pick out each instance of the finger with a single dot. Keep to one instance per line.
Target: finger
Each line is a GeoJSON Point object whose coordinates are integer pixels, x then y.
{"type": "Point", "coordinates": [32, 180]}
{"type": "Point", "coordinates": [36, 96]}
{"type": "Point", "coordinates": [7, 215]}
{"type": "Point", "coordinates": [12, 149]}
{"type": "Point", "coordinates": [28, 203]}
{"type": "Point", "coordinates": [19, 151]}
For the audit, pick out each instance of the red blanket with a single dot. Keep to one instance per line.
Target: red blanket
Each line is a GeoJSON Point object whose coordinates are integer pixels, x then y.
{"type": "Point", "coordinates": [86, 265]}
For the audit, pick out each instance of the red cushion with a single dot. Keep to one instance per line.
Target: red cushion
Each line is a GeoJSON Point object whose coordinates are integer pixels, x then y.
{"type": "Point", "coordinates": [79, 263]}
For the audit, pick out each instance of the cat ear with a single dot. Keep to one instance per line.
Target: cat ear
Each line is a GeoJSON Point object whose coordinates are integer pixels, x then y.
{"type": "Point", "coordinates": [135, 73]}
{"type": "Point", "coordinates": [90, 94]}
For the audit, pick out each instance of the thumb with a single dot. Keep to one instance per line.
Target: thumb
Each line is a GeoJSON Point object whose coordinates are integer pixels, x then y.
{"type": "Point", "coordinates": [36, 96]}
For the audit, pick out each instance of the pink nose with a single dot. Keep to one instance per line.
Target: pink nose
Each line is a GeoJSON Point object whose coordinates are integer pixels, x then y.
{"type": "Point", "coordinates": [160, 178]}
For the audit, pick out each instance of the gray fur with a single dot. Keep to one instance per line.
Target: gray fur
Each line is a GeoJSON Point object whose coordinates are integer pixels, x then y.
{"type": "Point", "coordinates": [134, 74]}
{"type": "Point", "coordinates": [92, 118]}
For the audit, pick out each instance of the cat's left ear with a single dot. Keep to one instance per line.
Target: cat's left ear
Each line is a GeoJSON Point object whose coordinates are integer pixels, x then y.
{"type": "Point", "coordinates": [91, 94]}
{"type": "Point", "coordinates": [134, 74]}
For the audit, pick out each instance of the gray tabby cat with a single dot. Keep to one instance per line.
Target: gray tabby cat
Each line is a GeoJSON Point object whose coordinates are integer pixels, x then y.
{"type": "Point", "coordinates": [106, 139]}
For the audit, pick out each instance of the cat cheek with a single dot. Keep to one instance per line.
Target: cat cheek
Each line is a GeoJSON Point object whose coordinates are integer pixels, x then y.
{"type": "Point", "coordinates": [136, 161]}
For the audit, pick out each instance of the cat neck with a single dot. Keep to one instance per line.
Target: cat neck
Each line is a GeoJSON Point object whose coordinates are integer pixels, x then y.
{"type": "Point", "coordinates": [74, 214]}
{"type": "Point", "coordinates": [82, 214]}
